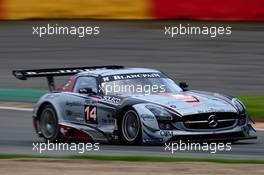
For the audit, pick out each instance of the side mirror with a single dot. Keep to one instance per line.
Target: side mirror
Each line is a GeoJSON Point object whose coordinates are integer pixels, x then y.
{"type": "Point", "coordinates": [87, 91]}
{"type": "Point", "coordinates": [184, 86]}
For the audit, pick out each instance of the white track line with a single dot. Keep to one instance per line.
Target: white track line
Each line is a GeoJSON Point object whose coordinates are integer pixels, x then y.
{"type": "Point", "coordinates": [30, 110]}
{"type": "Point", "coordinates": [259, 129]}
{"type": "Point", "coordinates": [16, 108]}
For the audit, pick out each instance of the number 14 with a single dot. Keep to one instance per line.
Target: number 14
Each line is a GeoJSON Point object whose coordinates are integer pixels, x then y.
{"type": "Point", "coordinates": [90, 113]}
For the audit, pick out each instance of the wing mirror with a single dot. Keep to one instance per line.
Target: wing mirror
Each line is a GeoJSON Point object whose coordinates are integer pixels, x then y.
{"type": "Point", "coordinates": [88, 91]}
{"type": "Point", "coordinates": [184, 86]}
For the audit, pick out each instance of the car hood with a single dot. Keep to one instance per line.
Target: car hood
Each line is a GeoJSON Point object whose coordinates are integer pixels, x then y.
{"type": "Point", "coordinates": [190, 102]}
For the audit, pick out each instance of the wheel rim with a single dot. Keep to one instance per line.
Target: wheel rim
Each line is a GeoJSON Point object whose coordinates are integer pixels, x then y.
{"type": "Point", "coordinates": [48, 123]}
{"type": "Point", "coordinates": [130, 126]}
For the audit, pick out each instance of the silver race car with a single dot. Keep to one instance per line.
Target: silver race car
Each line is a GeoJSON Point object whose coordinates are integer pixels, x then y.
{"type": "Point", "coordinates": [133, 106]}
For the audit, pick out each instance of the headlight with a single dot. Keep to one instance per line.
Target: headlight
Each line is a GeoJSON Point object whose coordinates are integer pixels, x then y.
{"type": "Point", "coordinates": [239, 105]}
{"type": "Point", "coordinates": [159, 112]}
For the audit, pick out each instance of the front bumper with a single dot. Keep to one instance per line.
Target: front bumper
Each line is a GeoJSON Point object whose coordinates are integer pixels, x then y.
{"type": "Point", "coordinates": [233, 134]}
{"type": "Point", "coordinates": [226, 137]}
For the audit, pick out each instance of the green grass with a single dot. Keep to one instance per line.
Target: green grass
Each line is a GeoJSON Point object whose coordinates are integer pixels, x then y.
{"type": "Point", "coordinates": [255, 106]}
{"type": "Point", "coordinates": [133, 158]}
{"type": "Point", "coordinates": [17, 95]}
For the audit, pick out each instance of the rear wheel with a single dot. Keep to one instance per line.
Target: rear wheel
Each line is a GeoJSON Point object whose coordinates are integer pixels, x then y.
{"type": "Point", "coordinates": [49, 123]}
{"type": "Point", "coordinates": [131, 128]}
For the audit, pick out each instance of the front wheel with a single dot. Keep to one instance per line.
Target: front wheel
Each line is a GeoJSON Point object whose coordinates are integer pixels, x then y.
{"type": "Point", "coordinates": [49, 123]}
{"type": "Point", "coordinates": [131, 128]}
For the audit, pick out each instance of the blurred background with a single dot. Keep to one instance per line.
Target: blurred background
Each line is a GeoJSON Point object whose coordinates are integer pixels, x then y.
{"type": "Point", "coordinates": [243, 10]}
{"type": "Point", "coordinates": [132, 34]}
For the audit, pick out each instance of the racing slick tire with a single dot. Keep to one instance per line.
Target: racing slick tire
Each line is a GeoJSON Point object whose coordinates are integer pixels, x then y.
{"type": "Point", "coordinates": [48, 123]}
{"type": "Point", "coordinates": [131, 128]}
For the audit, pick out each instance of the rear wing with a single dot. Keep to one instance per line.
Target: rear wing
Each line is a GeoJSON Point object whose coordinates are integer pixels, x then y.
{"type": "Point", "coordinates": [51, 73]}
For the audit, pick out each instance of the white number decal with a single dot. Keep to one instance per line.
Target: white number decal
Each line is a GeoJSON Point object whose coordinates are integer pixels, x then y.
{"type": "Point", "coordinates": [90, 113]}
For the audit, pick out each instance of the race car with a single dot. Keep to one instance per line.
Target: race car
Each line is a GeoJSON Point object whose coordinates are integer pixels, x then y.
{"type": "Point", "coordinates": [116, 104]}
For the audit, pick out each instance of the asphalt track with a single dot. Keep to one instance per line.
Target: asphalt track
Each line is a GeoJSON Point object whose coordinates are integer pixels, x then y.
{"type": "Point", "coordinates": [17, 137]}
{"type": "Point", "coordinates": [228, 64]}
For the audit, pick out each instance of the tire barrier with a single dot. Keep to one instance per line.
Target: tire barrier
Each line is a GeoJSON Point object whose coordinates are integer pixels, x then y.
{"type": "Point", "coordinates": [237, 10]}
{"type": "Point", "coordinates": [81, 9]}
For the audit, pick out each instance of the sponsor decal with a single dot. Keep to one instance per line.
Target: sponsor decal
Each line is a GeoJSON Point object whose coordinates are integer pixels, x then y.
{"type": "Point", "coordinates": [111, 99]}
{"type": "Point", "coordinates": [212, 109]}
{"type": "Point", "coordinates": [186, 98]}
{"type": "Point", "coordinates": [165, 133]}
{"type": "Point", "coordinates": [147, 117]}
{"type": "Point", "coordinates": [76, 115]}
{"type": "Point", "coordinates": [62, 71]}
{"type": "Point", "coordinates": [157, 140]}
{"type": "Point", "coordinates": [73, 103]}
{"type": "Point", "coordinates": [71, 113]}
{"type": "Point", "coordinates": [92, 101]}
{"type": "Point", "coordinates": [108, 121]}
{"type": "Point", "coordinates": [132, 76]}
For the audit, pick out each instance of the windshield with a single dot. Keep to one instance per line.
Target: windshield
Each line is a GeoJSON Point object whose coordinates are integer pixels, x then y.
{"type": "Point", "coordinates": [139, 86]}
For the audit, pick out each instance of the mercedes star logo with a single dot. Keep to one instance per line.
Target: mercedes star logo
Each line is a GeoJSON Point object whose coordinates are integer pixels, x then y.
{"type": "Point", "coordinates": [212, 121]}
